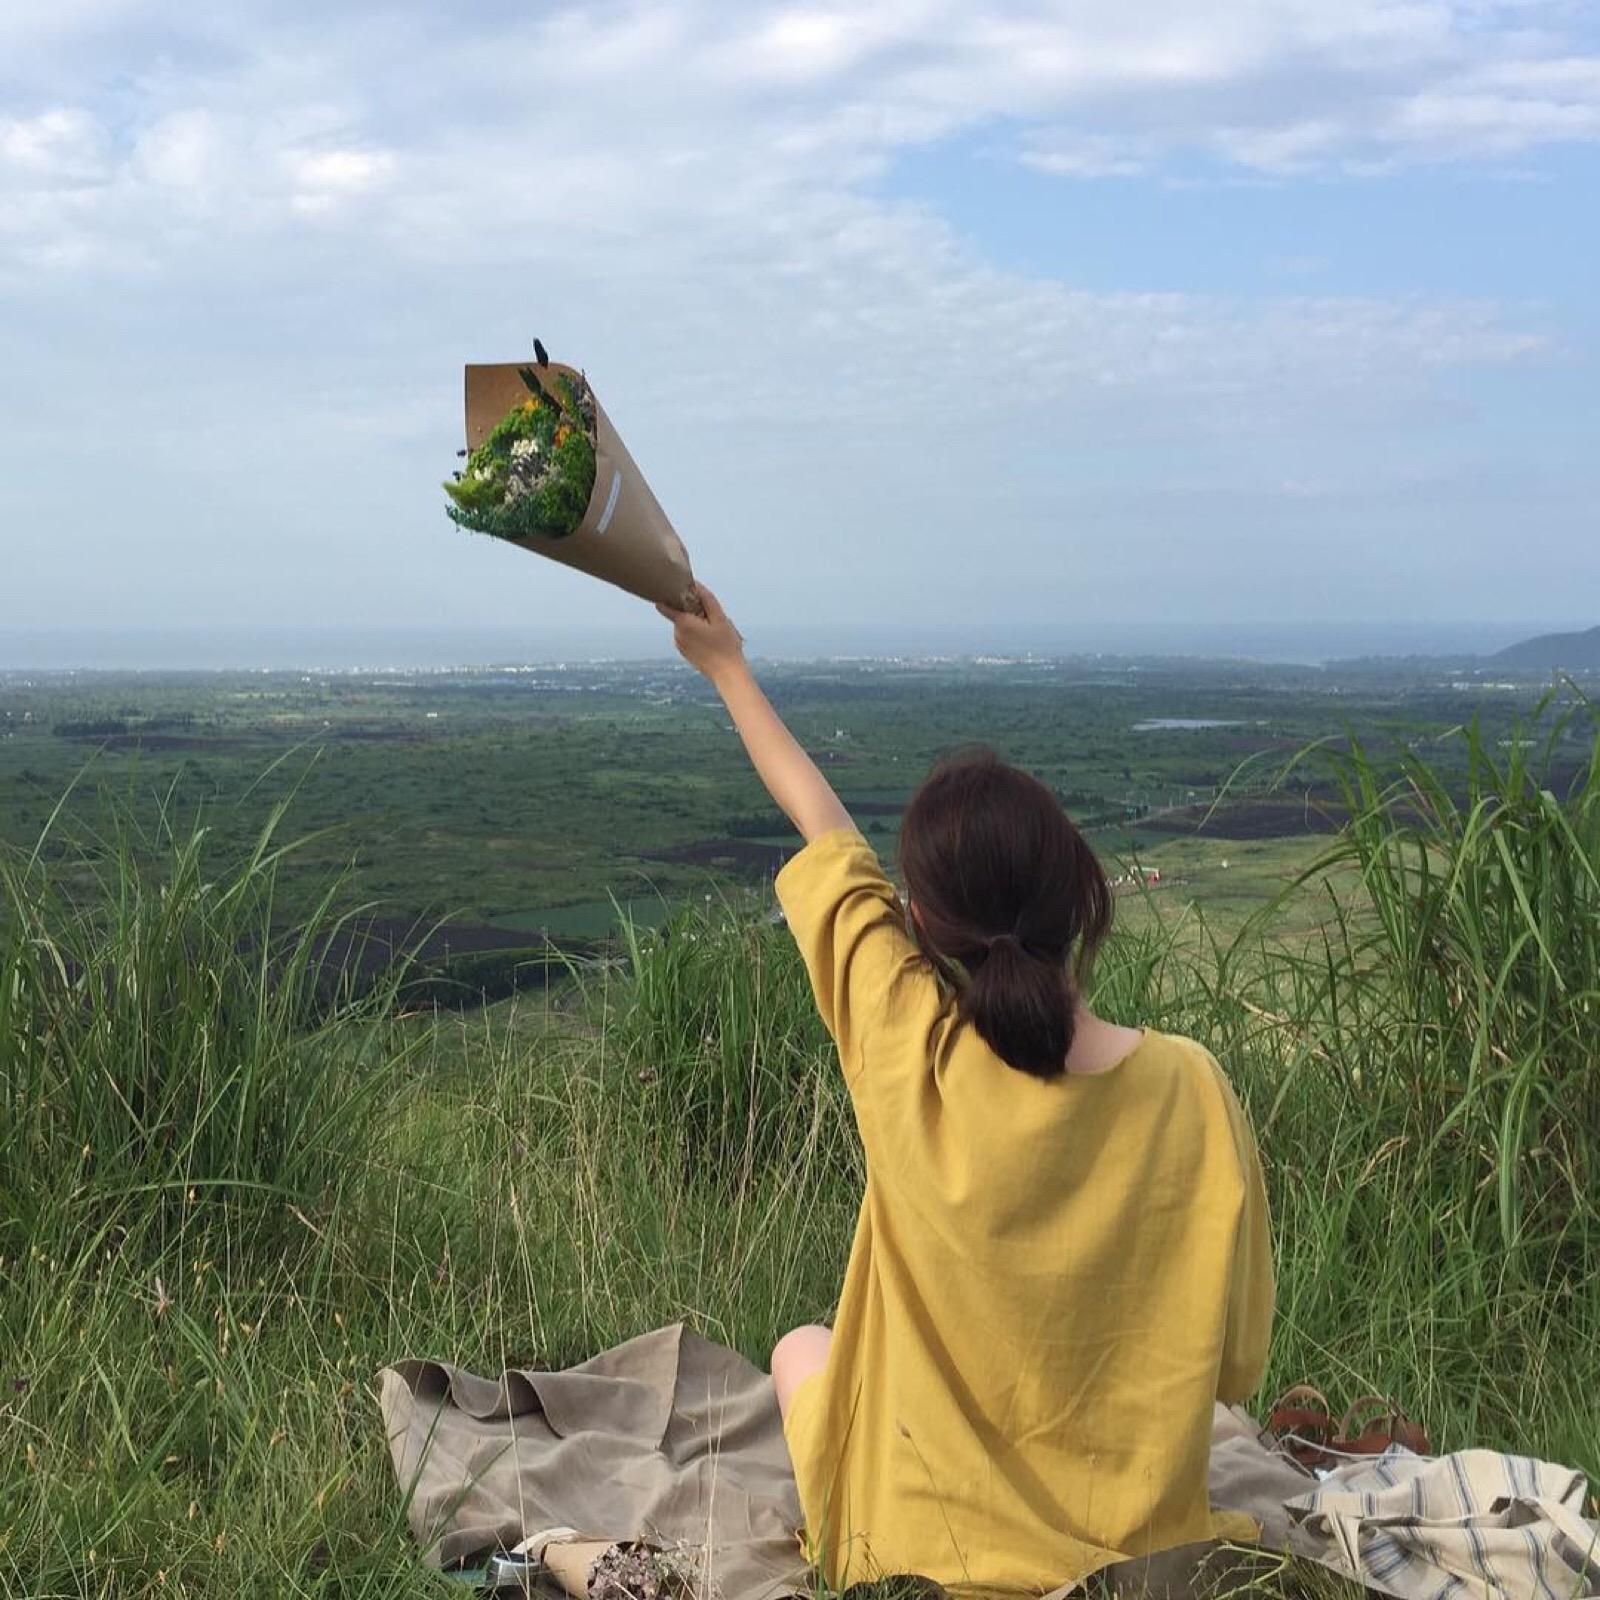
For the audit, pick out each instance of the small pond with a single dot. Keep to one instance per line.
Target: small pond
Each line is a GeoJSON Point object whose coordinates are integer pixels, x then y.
{"type": "Point", "coordinates": [1168, 724]}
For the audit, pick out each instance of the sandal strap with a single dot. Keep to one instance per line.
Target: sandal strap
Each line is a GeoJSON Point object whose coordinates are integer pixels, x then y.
{"type": "Point", "coordinates": [1382, 1424]}
{"type": "Point", "coordinates": [1303, 1391]}
{"type": "Point", "coordinates": [1304, 1411]}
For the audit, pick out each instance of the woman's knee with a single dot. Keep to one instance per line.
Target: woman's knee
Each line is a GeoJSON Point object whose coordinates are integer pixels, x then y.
{"type": "Point", "coordinates": [796, 1356]}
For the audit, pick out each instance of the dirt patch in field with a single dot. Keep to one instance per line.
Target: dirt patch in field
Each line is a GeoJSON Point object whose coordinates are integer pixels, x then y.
{"type": "Point", "coordinates": [1244, 744]}
{"type": "Point", "coordinates": [1564, 777]}
{"type": "Point", "coordinates": [370, 945]}
{"type": "Point", "coordinates": [1248, 819]}
{"type": "Point", "coordinates": [740, 855]}
{"type": "Point", "coordinates": [159, 741]}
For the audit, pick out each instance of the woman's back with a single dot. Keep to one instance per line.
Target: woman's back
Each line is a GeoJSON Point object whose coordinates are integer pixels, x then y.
{"type": "Point", "coordinates": [1052, 1281]}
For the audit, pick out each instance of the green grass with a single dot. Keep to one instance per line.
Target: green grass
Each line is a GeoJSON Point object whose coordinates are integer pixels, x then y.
{"type": "Point", "coordinates": [228, 1194]}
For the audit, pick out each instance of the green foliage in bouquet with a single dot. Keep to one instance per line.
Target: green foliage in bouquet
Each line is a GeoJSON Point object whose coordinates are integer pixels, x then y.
{"type": "Point", "coordinates": [534, 474]}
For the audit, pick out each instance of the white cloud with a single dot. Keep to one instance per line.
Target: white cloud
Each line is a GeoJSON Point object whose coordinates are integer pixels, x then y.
{"type": "Point", "coordinates": [63, 144]}
{"type": "Point", "coordinates": [340, 171]}
{"type": "Point", "coordinates": [1093, 156]}
{"type": "Point", "coordinates": [715, 184]}
{"type": "Point", "coordinates": [1486, 121]}
{"type": "Point", "coordinates": [316, 214]}
{"type": "Point", "coordinates": [324, 180]}
{"type": "Point", "coordinates": [1484, 112]}
{"type": "Point", "coordinates": [1285, 148]}
{"type": "Point", "coordinates": [808, 45]}
{"type": "Point", "coordinates": [683, 143]}
{"type": "Point", "coordinates": [181, 150]}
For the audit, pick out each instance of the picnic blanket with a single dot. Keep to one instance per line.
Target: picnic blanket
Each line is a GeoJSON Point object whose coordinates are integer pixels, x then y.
{"type": "Point", "coordinates": [675, 1441]}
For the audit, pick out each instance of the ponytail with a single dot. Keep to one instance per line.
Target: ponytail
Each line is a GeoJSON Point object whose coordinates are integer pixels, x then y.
{"type": "Point", "coordinates": [1010, 904]}
{"type": "Point", "coordinates": [1021, 1003]}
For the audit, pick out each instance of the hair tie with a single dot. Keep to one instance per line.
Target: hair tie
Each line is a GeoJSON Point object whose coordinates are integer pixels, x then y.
{"type": "Point", "coordinates": [1029, 948]}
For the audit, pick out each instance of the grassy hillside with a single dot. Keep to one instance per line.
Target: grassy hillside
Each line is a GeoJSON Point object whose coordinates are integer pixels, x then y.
{"type": "Point", "coordinates": [1559, 652]}
{"type": "Point", "coordinates": [229, 1191]}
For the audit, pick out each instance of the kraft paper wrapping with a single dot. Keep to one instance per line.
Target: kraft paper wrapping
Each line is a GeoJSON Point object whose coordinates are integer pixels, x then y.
{"type": "Point", "coordinates": [571, 1561]}
{"type": "Point", "coordinates": [625, 537]}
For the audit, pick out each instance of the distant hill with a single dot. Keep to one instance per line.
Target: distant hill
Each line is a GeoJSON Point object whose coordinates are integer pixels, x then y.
{"type": "Point", "coordinates": [1577, 652]}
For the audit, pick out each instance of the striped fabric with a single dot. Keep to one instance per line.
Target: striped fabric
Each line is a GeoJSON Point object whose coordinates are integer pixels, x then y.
{"type": "Point", "coordinates": [1459, 1527]}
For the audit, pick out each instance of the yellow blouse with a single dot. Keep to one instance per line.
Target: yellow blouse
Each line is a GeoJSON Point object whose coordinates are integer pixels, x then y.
{"type": "Point", "coordinates": [1051, 1282]}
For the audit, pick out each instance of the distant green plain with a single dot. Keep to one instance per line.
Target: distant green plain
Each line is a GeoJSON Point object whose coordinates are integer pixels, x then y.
{"type": "Point", "coordinates": [532, 801]}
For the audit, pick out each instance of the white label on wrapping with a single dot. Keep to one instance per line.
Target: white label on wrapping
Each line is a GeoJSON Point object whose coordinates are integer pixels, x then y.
{"type": "Point", "coordinates": [611, 502]}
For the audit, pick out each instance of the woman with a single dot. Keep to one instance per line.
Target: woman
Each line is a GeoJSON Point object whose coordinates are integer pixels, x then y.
{"type": "Point", "coordinates": [1062, 1259]}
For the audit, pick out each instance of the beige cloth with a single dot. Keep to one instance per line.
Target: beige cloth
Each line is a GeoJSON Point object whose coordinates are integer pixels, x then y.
{"type": "Point", "coordinates": [675, 1441]}
{"type": "Point", "coordinates": [667, 1438]}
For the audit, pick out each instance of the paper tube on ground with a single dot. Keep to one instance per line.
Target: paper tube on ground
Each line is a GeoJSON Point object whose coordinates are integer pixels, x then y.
{"type": "Point", "coordinates": [570, 1561]}
{"type": "Point", "coordinates": [624, 536]}
{"type": "Point", "coordinates": [604, 1569]}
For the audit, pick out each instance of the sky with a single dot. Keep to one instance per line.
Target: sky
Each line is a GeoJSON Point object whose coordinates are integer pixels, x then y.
{"type": "Point", "coordinates": [1070, 324]}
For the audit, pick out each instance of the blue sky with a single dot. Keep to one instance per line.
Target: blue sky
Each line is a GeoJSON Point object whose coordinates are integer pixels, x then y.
{"type": "Point", "coordinates": [977, 321]}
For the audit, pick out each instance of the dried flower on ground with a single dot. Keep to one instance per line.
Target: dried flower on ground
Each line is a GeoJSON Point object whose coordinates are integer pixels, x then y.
{"type": "Point", "coordinates": [639, 1572]}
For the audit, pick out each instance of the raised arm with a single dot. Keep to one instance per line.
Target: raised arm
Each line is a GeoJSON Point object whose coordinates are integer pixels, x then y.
{"type": "Point", "coordinates": [712, 645]}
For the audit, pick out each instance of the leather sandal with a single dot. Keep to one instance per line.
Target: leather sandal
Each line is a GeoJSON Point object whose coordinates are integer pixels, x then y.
{"type": "Point", "coordinates": [1302, 1423]}
{"type": "Point", "coordinates": [1382, 1425]}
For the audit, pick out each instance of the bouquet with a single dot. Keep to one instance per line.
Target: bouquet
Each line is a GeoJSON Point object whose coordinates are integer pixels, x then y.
{"type": "Point", "coordinates": [546, 470]}
{"type": "Point", "coordinates": [534, 474]}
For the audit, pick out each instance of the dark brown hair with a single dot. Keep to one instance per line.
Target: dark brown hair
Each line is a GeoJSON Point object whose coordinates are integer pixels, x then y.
{"type": "Point", "coordinates": [1009, 903]}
